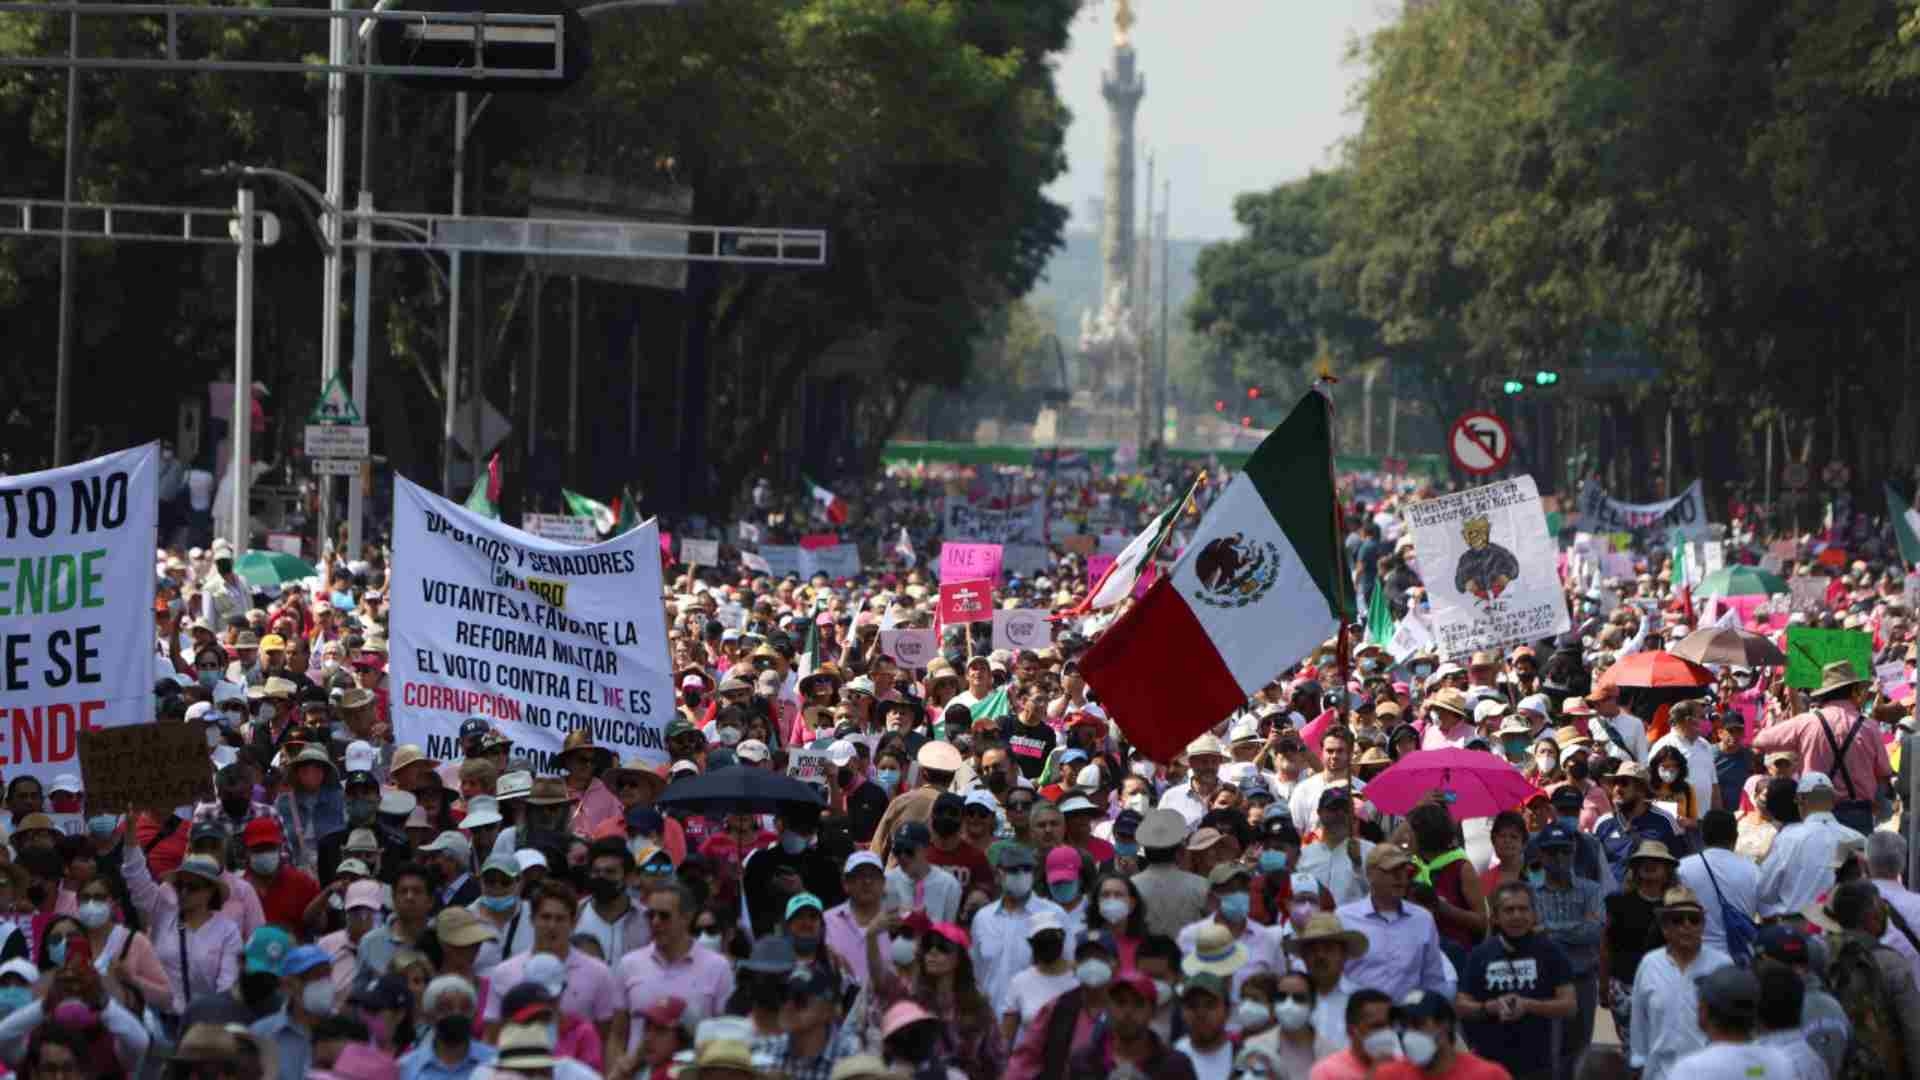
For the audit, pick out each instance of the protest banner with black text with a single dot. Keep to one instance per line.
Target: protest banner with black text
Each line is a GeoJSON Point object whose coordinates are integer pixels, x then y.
{"type": "Point", "coordinates": [1491, 567]}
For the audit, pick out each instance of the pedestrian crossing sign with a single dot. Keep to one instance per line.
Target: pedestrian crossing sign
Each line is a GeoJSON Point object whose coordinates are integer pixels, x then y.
{"type": "Point", "coordinates": [335, 405]}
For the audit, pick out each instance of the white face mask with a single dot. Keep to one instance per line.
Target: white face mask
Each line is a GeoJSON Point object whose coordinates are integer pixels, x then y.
{"type": "Point", "coordinates": [1138, 803]}
{"type": "Point", "coordinates": [1382, 1045]}
{"type": "Point", "coordinates": [1420, 1047]}
{"type": "Point", "coordinates": [1292, 1015]}
{"type": "Point", "coordinates": [1142, 769]}
{"type": "Point", "coordinates": [1253, 1016]}
{"type": "Point", "coordinates": [1547, 762]}
{"type": "Point", "coordinates": [265, 862]}
{"type": "Point", "coordinates": [94, 914]}
{"type": "Point", "coordinates": [901, 949]}
{"type": "Point", "coordinates": [1019, 884]}
{"type": "Point", "coordinates": [316, 998]}
{"type": "Point", "coordinates": [1093, 974]}
{"type": "Point", "coordinates": [1669, 774]}
{"type": "Point", "coordinates": [708, 941]}
{"type": "Point", "coordinates": [1115, 910]}
{"type": "Point", "coordinates": [1162, 993]}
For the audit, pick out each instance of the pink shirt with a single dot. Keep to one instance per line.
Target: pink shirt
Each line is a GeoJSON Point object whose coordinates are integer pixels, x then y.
{"type": "Point", "coordinates": [1866, 758]}
{"type": "Point", "coordinates": [591, 991]}
{"type": "Point", "coordinates": [596, 806]}
{"type": "Point", "coordinates": [212, 951]}
{"type": "Point", "coordinates": [1341, 1066]}
{"type": "Point", "coordinates": [243, 904]}
{"type": "Point", "coordinates": [702, 978]}
{"type": "Point", "coordinates": [845, 937]}
{"type": "Point", "coordinates": [1453, 737]}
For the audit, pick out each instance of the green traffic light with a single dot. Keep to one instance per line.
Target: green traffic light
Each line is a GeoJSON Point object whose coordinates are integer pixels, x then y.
{"type": "Point", "coordinates": [1546, 378]}
{"type": "Point", "coordinates": [1514, 386]}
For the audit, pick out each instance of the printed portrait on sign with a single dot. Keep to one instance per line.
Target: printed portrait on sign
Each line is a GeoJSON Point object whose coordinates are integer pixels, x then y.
{"type": "Point", "coordinates": [1485, 569]}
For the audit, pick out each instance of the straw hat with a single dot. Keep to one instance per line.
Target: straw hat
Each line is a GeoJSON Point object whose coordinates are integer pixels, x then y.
{"type": "Point", "coordinates": [207, 870]}
{"type": "Point", "coordinates": [409, 754]}
{"type": "Point", "coordinates": [1326, 926]}
{"type": "Point", "coordinates": [1680, 897]}
{"type": "Point", "coordinates": [580, 739]}
{"type": "Point", "coordinates": [1838, 676]}
{"type": "Point", "coordinates": [651, 782]}
{"type": "Point", "coordinates": [1654, 849]}
{"type": "Point", "coordinates": [1214, 952]}
{"type": "Point", "coordinates": [549, 791]}
{"type": "Point", "coordinates": [1450, 700]}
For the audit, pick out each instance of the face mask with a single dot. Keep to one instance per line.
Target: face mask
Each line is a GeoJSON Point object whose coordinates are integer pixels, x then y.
{"type": "Point", "coordinates": [235, 807]}
{"type": "Point", "coordinates": [265, 863]}
{"type": "Point", "coordinates": [1093, 974]}
{"type": "Point", "coordinates": [94, 914]}
{"type": "Point", "coordinates": [901, 950]}
{"type": "Point", "coordinates": [1235, 906]}
{"type": "Point", "coordinates": [102, 824]}
{"type": "Point", "coordinates": [805, 944]}
{"type": "Point", "coordinates": [1066, 892]}
{"type": "Point", "coordinates": [1570, 822]}
{"type": "Point", "coordinates": [1382, 1045]}
{"type": "Point", "coordinates": [1252, 1016]}
{"type": "Point", "coordinates": [500, 905]}
{"type": "Point", "coordinates": [1669, 774]}
{"type": "Point", "coordinates": [1421, 671]}
{"type": "Point", "coordinates": [1292, 1015]}
{"type": "Point", "coordinates": [209, 679]}
{"type": "Point", "coordinates": [453, 1030]}
{"type": "Point", "coordinates": [316, 998]}
{"type": "Point", "coordinates": [792, 843]}
{"type": "Point", "coordinates": [1138, 803]}
{"type": "Point", "coordinates": [888, 779]}
{"type": "Point", "coordinates": [1577, 770]}
{"type": "Point", "coordinates": [57, 952]}
{"type": "Point", "coordinates": [1273, 861]}
{"type": "Point", "coordinates": [14, 997]}
{"type": "Point", "coordinates": [1515, 747]}
{"type": "Point", "coordinates": [708, 941]}
{"type": "Point", "coordinates": [1142, 769]}
{"type": "Point", "coordinates": [1536, 878]}
{"type": "Point", "coordinates": [1546, 762]}
{"type": "Point", "coordinates": [1115, 910]}
{"type": "Point", "coordinates": [1420, 1047]}
{"type": "Point", "coordinates": [1019, 884]}
{"type": "Point", "coordinates": [729, 736]}
{"type": "Point", "coordinates": [1126, 851]}
{"type": "Point", "coordinates": [1162, 993]}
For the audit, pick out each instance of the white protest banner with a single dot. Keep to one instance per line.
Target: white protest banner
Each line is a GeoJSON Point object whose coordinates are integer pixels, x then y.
{"type": "Point", "coordinates": [1713, 556]}
{"type": "Point", "coordinates": [1490, 566]}
{"type": "Point", "coordinates": [808, 765]}
{"type": "Point", "coordinates": [76, 606]}
{"type": "Point", "coordinates": [699, 552]}
{"type": "Point", "coordinates": [537, 636]}
{"type": "Point", "coordinates": [1890, 672]}
{"type": "Point", "coordinates": [1809, 593]}
{"type": "Point", "coordinates": [1685, 512]}
{"type": "Point", "coordinates": [756, 562]}
{"type": "Point", "coordinates": [910, 648]}
{"type": "Point", "coordinates": [1410, 638]}
{"type": "Point", "coordinates": [565, 528]}
{"type": "Point", "coordinates": [780, 559]}
{"type": "Point", "coordinates": [833, 560]}
{"type": "Point", "coordinates": [1022, 628]}
{"type": "Point", "coordinates": [1020, 525]}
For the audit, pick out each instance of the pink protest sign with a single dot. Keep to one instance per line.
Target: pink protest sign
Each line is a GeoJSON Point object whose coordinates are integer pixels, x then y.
{"type": "Point", "coordinates": [970, 562]}
{"type": "Point", "coordinates": [966, 601]}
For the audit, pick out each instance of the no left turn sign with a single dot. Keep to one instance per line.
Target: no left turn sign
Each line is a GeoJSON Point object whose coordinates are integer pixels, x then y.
{"type": "Point", "coordinates": [1480, 443]}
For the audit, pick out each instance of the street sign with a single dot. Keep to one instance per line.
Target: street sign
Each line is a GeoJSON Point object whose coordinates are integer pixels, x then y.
{"type": "Point", "coordinates": [1480, 443]}
{"type": "Point", "coordinates": [335, 467]}
{"type": "Point", "coordinates": [338, 441]}
{"type": "Point", "coordinates": [335, 405]}
{"type": "Point", "coordinates": [1795, 475]}
{"type": "Point", "coordinates": [541, 46]}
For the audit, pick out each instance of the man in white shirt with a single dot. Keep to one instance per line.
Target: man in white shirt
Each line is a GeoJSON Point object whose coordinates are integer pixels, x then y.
{"type": "Point", "coordinates": [1000, 930]}
{"type": "Point", "coordinates": [1336, 860]}
{"type": "Point", "coordinates": [1194, 798]}
{"type": "Point", "coordinates": [1800, 866]}
{"type": "Point", "coordinates": [1228, 903]}
{"type": "Point", "coordinates": [915, 884]}
{"type": "Point", "coordinates": [1336, 770]}
{"type": "Point", "coordinates": [1666, 1010]}
{"type": "Point", "coordinates": [1737, 878]}
{"type": "Point", "coordinates": [1685, 737]}
{"type": "Point", "coordinates": [1612, 724]}
{"type": "Point", "coordinates": [1886, 860]}
{"type": "Point", "coordinates": [1729, 1011]}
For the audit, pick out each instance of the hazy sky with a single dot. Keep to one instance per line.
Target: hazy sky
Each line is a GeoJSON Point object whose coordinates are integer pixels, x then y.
{"type": "Point", "coordinates": [1241, 95]}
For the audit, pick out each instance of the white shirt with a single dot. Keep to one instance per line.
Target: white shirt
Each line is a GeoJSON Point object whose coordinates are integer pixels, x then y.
{"type": "Point", "coordinates": [1031, 990]}
{"type": "Point", "coordinates": [1666, 1011]}
{"type": "Point", "coordinates": [1907, 903]}
{"type": "Point", "coordinates": [1799, 1053]}
{"type": "Point", "coordinates": [1000, 949]}
{"type": "Point", "coordinates": [1631, 729]}
{"type": "Point", "coordinates": [1265, 945]}
{"type": "Point", "coordinates": [504, 943]}
{"type": "Point", "coordinates": [1700, 771]}
{"type": "Point", "coordinates": [1800, 866]}
{"type": "Point", "coordinates": [940, 895]}
{"type": "Point", "coordinates": [1304, 804]}
{"type": "Point", "coordinates": [1735, 1061]}
{"type": "Point", "coordinates": [1215, 1064]}
{"type": "Point", "coordinates": [619, 937]}
{"type": "Point", "coordinates": [1335, 869]}
{"type": "Point", "coordinates": [1330, 1018]}
{"type": "Point", "coordinates": [1183, 798]}
{"type": "Point", "coordinates": [1739, 884]}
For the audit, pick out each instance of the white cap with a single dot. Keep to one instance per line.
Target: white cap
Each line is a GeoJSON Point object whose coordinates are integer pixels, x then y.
{"type": "Point", "coordinates": [196, 711]}
{"type": "Point", "coordinates": [841, 753]}
{"type": "Point", "coordinates": [1044, 920]}
{"type": "Point", "coordinates": [751, 750]}
{"type": "Point", "coordinates": [529, 858]}
{"type": "Point", "coordinates": [1487, 709]}
{"type": "Point", "coordinates": [361, 756]}
{"type": "Point", "coordinates": [1076, 803]}
{"type": "Point", "coordinates": [482, 810]}
{"type": "Point", "coordinates": [983, 798]}
{"type": "Point", "coordinates": [1087, 777]}
{"type": "Point", "coordinates": [162, 668]}
{"type": "Point", "coordinates": [1305, 885]}
{"type": "Point", "coordinates": [70, 783]}
{"type": "Point", "coordinates": [224, 692]}
{"type": "Point", "coordinates": [21, 967]}
{"type": "Point", "coordinates": [1245, 729]}
{"type": "Point", "coordinates": [683, 767]}
{"type": "Point", "coordinates": [1814, 781]}
{"type": "Point", "coordinates": [863, 858]}
{"type": "Point", "coordinates": [1537, 703]}
{"type": "Point", "coordinates": [546, 969]}
{"type": "Point", "coordinates": [397, 803]}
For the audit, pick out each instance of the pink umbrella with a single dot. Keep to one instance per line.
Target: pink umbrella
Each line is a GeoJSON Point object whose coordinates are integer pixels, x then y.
{"type": "Point", "coordinates": [1481, 784]}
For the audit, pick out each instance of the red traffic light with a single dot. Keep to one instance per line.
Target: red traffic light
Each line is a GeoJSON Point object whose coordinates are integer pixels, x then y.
{"type": "Point", "coordinates": [1246, 421]}
{"type": "Point", "coordinates": [1253, 393]}
{"type": "Point", "coordinates": [1219, 406]}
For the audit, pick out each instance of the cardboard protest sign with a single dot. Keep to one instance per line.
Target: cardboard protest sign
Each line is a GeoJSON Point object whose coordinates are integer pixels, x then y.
{"type": "Point", "coordinates": [1891, 672]}
{"type": "Point", "coordinates": [811, 766]}
{"type": "Point", "coordinates": [700, 552]}
{"type": "Point", "coordinates": [566, 528]}
{"type": "Point", "coordinates": [145, 767]}
{"type": "Point", "coordinates": [1080, 544]}
{"type": "Point", "coordinates": [910, 648]}
{"type": "Point", "coordinates": [537, 636]}
{"type": "Point", "coordinates": [1809, 594]}
{"type": "Point", "coordinates": [1809, 650]}
{"type": "Point", "coordinates": [1491, 567]}
{"type": "Point", "coordinates": [1022, 628]}
{"type": "Point", "coordinates": [76, 607]}
{"type": "Point", "coordinates": [969, 561]}
{"type": "Point", "coordinates": [966, 601]}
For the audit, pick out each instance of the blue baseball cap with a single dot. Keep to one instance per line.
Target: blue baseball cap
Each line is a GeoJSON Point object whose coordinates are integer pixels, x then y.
{"type": "Point", "coordinates": [305, 959]}
{"type": "Point", "coordinates": [267, 950]}
{"type": "Point", "coordinates": [1555, 835]}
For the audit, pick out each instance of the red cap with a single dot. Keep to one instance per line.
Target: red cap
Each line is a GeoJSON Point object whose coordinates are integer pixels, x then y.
{"type": "Point", "coordinates": [262, 832]}
{"type": "Point", "coordinates": [917, 922]}
{"type": "Point", "coordinates": [1136, 980]}
{"type": "Point", "coordinates": [953, 933]}
{"type": "Point", "coordinates": [664, 1012]}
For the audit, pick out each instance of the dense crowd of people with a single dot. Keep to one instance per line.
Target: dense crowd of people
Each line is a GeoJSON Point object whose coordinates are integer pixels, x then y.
{"type": "Point", "coordinates": [992, 881]}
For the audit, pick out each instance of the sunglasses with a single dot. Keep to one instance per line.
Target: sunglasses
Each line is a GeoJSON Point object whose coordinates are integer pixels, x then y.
{"type": "Point", "coordinates": [1301, 998]}
{"type": "Point", "coordinates": [1683, 918]}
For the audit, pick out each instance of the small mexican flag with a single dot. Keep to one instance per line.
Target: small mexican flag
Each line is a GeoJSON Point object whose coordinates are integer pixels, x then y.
{"type": "Point", "coordinates": [1906, 527]}
{"type": "Point", "coordinates": [580, 506]}
{"type": "Point", "coordinates": [1263, 583]}
{"type": "Point", "coordinates": [486, 491]}
{"type": "Point", "coordinates": [626, 512]}
{"type": "Point", "coordinates": [1118, 582]}
{"type": "Point", "coordinates": [834, 505]}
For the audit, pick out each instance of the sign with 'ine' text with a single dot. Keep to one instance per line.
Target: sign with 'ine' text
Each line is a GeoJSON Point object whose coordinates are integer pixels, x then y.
{"type": "Point", "coordinates": [540, 637]}
{"type": "Point", "coordinates": [76, 607]}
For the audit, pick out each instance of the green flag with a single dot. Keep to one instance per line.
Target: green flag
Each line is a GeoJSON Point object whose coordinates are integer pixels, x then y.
{"type": "Point", "coordinates": [580, 506]}
{"type": "Point", "coordinates": [486, 489]}
{"type": "Point", "coordinates": [1906, 526]}
{"type": "Point", "coordinates": [1379, 616]}
{"type": "Point", "coordinates": [629, 515]}
{"type": "Point", "coordinates": [992, 707]}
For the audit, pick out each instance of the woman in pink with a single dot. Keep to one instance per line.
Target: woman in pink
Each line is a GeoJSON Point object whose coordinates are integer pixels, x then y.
{"type": "Point", "coordinates": [124, 958]}
{"type": "Point", "coordinates": [593, 804]}
{"type": "Point", "coordinates": [198, 945]}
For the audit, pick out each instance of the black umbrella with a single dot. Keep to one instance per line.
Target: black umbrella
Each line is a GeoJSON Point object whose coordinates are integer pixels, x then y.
{"type": "Point", "coordinates": [737, 789]}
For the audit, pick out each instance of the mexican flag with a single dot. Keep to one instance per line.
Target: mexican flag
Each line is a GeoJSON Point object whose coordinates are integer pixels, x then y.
{"type": "Point", "coordinates": [1263, 583]}
{"type": "Point", "coordinates": [1906, 526]}
{"type": "Point", "coordinates": [486, 491]}
{"type": "Point", "coordinates": [1117, 583]}
{"type": "Point", "coordinates": [834, 505]}
{"type": "Point", "coordinates": [626, 513]}
{"type": "Point", "coordinates": [580, 506]}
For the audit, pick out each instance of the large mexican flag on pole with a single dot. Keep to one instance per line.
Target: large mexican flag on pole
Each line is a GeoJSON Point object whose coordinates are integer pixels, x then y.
{"type": "Point", "coordinates": [1263, 583]}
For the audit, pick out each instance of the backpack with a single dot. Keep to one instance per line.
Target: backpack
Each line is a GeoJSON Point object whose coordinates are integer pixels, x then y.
{"type": "Point", "coordinates": [1854, 979]}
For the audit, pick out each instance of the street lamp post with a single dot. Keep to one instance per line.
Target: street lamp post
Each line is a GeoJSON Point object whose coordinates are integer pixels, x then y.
{"type": "Point", "coordinates": [241, 465]}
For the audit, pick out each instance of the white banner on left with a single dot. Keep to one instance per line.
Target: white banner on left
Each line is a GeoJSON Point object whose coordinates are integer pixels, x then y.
{"type": "Point", "coordinates": [538, 637]}
{"type": "Point", "coordinates": [76, 607]}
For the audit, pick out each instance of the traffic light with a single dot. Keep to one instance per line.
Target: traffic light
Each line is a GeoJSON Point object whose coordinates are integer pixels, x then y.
{"type": "Point", "coordinates": [1514, 386]}
{"type": "Point", "coordinates": [1246, 421]}
{"type": "Point", "coordinates": [1219, 405]}
{"type": "Point", "coordinates": [1545, 378]}
{"type": "Point", "coordinates": [1253, 393]}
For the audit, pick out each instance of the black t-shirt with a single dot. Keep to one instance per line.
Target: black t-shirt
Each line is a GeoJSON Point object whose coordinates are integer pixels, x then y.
{"type": "Point", "coordinates": [1633, 928]}
{"type": "Point", "coordinates": [1533, 967]}
{"type": "Point", "coordinates": [1028, 745]}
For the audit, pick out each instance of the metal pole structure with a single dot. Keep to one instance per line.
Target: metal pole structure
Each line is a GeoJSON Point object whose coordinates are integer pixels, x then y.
{"type": "Point", "coordinates": [362, 320]}
{"type": "Point", "coordinates": [240, 462]}
{"type": "Point", "coordinates": [63, 373]}
{"type": "Point", "coordinates": [1767, 499]}
{"type": "Point", "coordinates": [336, 185]}
{"type": "Point", "coordinates": [1166, 328]}
{"type": "Point", "coordinates": [573, 383]}
{"type": "Point", "coordinates": [533, 364]}
{"type": "Point", "coordinates": [451, 378]}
